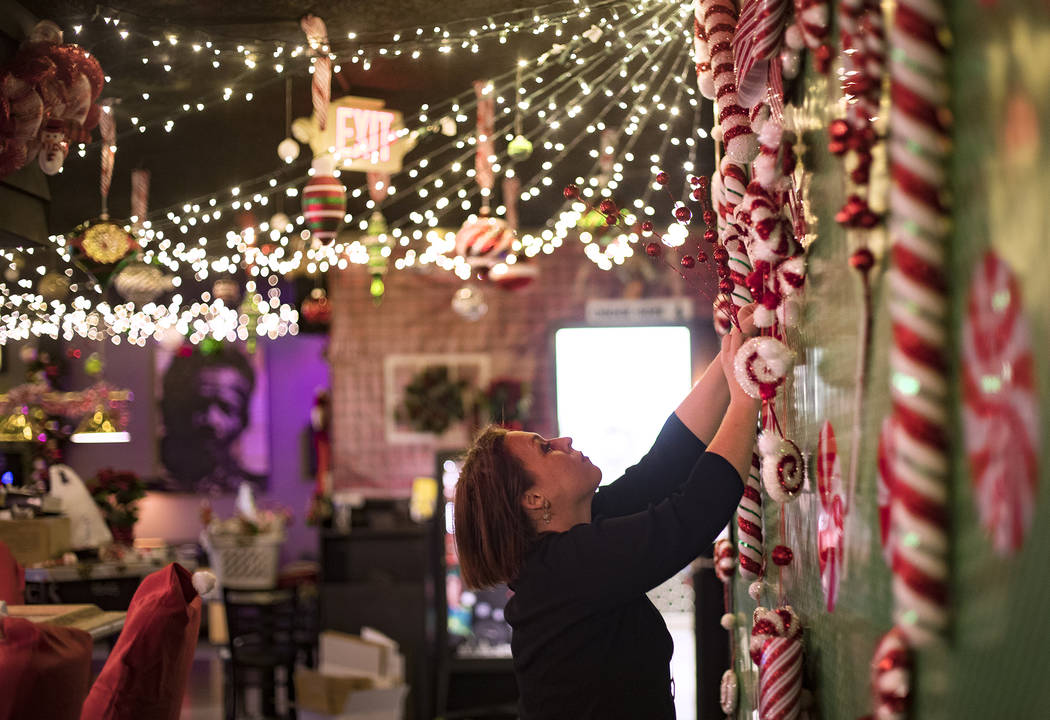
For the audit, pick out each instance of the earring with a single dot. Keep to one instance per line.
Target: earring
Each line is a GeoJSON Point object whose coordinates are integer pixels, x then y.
{"type": "Point", "coordinates": [546, 511]}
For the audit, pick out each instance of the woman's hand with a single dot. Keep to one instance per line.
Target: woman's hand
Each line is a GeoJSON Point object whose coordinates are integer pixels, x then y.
{"type": "Point", "coordinates": [745, 316]}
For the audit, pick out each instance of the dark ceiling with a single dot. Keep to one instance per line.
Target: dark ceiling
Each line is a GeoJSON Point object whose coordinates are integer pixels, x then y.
{"type": "Point", "coordinates": [210, 151]}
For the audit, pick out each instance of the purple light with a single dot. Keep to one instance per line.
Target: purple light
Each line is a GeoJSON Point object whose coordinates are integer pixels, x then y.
{"type": "Point", "coordinates": [41, 437]}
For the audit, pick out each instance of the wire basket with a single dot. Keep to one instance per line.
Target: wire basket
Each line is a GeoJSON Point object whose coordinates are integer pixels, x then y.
{"type": "Point", "coordinates": [245, 562]}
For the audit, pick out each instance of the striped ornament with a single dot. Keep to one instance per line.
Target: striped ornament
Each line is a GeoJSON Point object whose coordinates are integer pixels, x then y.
{"type": "Point", "coordinates": [740, 143]}
{"type": "Point", "coordinates": [759, 34]}
{"type": "Point", "coordinates": [324, 207]}
{"type": "Point", "coordinates": [831, 516]}
{"type": "Point", "coordinates": [780, 679]}
{"type": "Point", "coordinates": [484, 241]}
{"type": "Point", "coordinates": [749, 523]}
{"type": "Point", "coordinates": [920, 384]}
{"type": "Point", "coordinates": [891, 677]}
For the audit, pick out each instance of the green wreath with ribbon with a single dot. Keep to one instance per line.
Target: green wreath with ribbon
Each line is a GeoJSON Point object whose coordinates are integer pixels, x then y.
{"type": "Point", "coordinates": [432, 401]}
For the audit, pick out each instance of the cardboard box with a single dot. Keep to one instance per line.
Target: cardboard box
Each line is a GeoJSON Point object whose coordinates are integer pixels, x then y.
{"type": "Point", "coordinates": [326, 693]}
{"type": "Point", "coordinates": [371, 655]}
{"type": "Point", "coordinates": [376, 704]}
{"type": "Point", "coordinates": [36, 540]}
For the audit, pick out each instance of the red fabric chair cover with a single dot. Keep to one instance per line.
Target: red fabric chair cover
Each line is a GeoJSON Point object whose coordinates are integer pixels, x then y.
{"type": "Point", "coordinates": [45, 670]}
{"type": "Point", "coordinates": [145, 675]}
{"type": "Point", "coordinates": [12, 578]}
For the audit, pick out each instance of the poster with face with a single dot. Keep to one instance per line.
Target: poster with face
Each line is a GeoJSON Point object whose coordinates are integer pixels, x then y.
{"type": "Point", "coordinates": [213, 431]}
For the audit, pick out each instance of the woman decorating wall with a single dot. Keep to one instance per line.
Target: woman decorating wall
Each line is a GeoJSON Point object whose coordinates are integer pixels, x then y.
{"type": "Point", "coordinates": [587, 642]}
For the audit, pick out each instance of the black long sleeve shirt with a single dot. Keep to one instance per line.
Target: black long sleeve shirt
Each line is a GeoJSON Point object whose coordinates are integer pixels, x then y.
{"type": "Point", "coordinates": [587, 642]}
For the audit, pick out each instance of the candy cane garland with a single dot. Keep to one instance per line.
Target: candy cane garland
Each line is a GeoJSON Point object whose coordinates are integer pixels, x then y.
{"type": "Point", "coordinates": [719, 26]}
{"type": "Point", "coordinates": [891, 677]}
{"type": "Point", "coordinates": [919, 147]}
{"type": "Point", "coordinates": [757, 39]}
{"type": "Point", "coordinates": [749, 523]}
{"type": "Point", "coordinates": [780, 679]}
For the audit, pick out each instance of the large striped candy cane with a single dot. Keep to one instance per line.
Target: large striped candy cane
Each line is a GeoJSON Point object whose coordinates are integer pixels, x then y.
{"type": "Point", "coordinates": [719, 25]}
{"type": "Point", "coordinates": [758, 37]}
{"type": "Point", "coordinates": [705, 79]}
{"type": "Point", "coordinates": [749, 523]}
{"type": "Point", "coordinates": [321, 86]}
{"type": "Point", "coordinates": [919, 382]}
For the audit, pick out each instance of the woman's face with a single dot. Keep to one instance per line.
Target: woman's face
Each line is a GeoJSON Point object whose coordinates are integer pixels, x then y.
{"type": "Point", "coordinates": [562, 475]}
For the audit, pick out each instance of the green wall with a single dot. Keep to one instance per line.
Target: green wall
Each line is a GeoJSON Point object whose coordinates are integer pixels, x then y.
{"type": "Point", "coordinates": [994, 660]}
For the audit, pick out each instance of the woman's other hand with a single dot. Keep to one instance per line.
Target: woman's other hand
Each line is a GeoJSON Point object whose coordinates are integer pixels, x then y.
{"type": "Point", "coordinates": [745, 316]}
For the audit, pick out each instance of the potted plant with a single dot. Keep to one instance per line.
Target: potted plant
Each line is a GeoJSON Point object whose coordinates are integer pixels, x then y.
{"type": "Point", "coordinates": [117, 493]}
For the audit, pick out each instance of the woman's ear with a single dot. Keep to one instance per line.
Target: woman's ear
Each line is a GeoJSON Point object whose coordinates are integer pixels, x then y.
{"type": "Point", "coordinates": [532, 500]}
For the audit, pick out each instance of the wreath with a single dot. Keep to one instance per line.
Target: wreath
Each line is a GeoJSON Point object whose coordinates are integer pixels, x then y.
{"type": "Point", "coordinates": [432, 401]}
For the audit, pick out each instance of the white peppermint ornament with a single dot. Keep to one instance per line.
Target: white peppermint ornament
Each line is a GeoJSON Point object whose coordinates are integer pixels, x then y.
{"type": "Point", "coordinates": [783, 470]}
{"type": "Point", "coordinates": [761, 366]}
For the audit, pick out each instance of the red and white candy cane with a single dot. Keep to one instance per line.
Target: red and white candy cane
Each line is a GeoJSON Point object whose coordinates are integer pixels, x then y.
{"type": "Point", "coordinates": [891, 677]}
{"type": "Point", "coordinates": [705, 80]}
{"type": "Point", "coordinates": [734, 184]}
{"type": "Point", "coordinates": [812, 18]}
{"type": "Point", "coordinates": [884, 485]}
{"type": "Point", "coordinates": [1000, 404]}
{"type": "Point", "coordinates": [719, 25]}
{"type": "Point", "coordinates": [486, 147]}
{"type": "Point", "coordinates": [780, 679]}
{"type": "Point", "coordinates": [831, 516]}
{"type": "Point", "coordinates": [321, 85]}
{"type": "Point", "coordinates": [757, 40]}
{"type": "Point", "coordinates": [919, 370]}
{"type": "Point", "coordinates": [139, 194]}
{"type": "Point", "coordinates": [725, 559]}
{"type": "Point", "coordinates": [749, 523]}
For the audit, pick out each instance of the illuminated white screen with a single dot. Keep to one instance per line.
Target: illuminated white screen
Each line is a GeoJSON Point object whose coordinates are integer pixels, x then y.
{"type": "Point", "coordinates": [616, 386]}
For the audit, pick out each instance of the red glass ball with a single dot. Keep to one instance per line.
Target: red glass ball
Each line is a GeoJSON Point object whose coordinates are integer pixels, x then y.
{"type": "Point", "coordinates": [701, 256]}
{"type": "Point", "coordinates": [572, 191]}
{"type": "Point", "coordinates": [723, 272]}
{"type": "Point", "coordinates": [662, 178]}
{"type": "Point", "coordinates": [721, 254]}
{"type": "Point", "coordinates": [862, 260]}
{"type": "Point", "coordinates": [687, 261]}
{"type": "Point", "coordinates": [725, 286]}
{"type": "Point", "coordinates": [694, 180]}
{"type": "Point", "coordinates": [782, 555]}
{"type": "Point", "coordinates": [652, 249]}
{"type": "Point", "coordinates": [697, 195]}
{"type": "Point", "coordinates": [682, 214]}
{"type": "Point", "coordinates": [710, 218]}
{"type": "Point", "coordinates": [611, 219]}
{"type": "Point", "coordinates": [607, 207]}
{"type": "Point", "coordinates": [647, 227]}
{"type": "Point", "coordinates": [838, 129]}
{"type": "Point", "coordinates": [710, 235]}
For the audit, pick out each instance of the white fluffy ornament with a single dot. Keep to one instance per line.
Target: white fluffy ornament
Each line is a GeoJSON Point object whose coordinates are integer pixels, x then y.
{"type": "Point", "coordinates": [728, 621]}
{"type": "Point", "coordinates": [756, 589]}
{"type": "Point", "coordinates": [728, 692]}
{"type": "Point", "coordinates": [203, 582]}
{"type": "Point", "coordinates": [782, 467]}
{"type": "Point", "coordinates": [761, 365]}
{"type": "Point", "coordinates": [764, 317]}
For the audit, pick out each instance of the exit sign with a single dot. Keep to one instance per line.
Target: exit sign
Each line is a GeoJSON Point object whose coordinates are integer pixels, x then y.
{"type": "Point", "coordinates": [361, 135]}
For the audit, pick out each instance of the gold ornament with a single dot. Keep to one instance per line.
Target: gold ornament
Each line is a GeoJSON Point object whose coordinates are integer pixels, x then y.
{"type": "Point", "coordinates": [106, 243]}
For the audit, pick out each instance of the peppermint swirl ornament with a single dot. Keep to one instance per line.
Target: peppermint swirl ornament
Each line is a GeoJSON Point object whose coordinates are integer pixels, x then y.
{"type": "Point", "coordinates": [783, 469]}
{"type": "Point", "coordinates": [761, 366]}
{"type": "Point", "coordinates": [725, 560]}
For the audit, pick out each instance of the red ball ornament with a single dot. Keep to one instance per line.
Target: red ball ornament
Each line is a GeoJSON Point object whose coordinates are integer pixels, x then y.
{"type": "Point", "coordinates": [782, 555]}
{"type": "Point", "coordinates": [694, 180]}
{"type": "Point", "coordinates": [647, 227]}
{"type": "Point", "coordinates": [720, 254]}
{"type": "Point", "coordinates": [682, 214]}
{"type": "Point", "coordinates": [701, 256]}
{"type": "Point", "coordinates": [725, 286]}
{"type": "Point", "coordinates": [710, 218]}
{"type": "Point", "coordinates": [652, 249]}
{"type": "Point", "coordinates": [687, 261]}
{"type": "Point", "coordinates": [697, 195]}
{"type": "Point", "coordinates": [662, 178]}
{"type": "Point", "coordinates": [571, 191]}
{"type": "Point", "coordinates": [838, 129]}
{"type": "Point", "coordinates": [607, 207]}
{"type": "Point", "coordinates": [723, 272]}
{"type": "Point", "coordinates": [611, 219]}
{"type": "Point", "coordinates": [710, 235]}
{"type": "Point", "coordinates": [862, 260]}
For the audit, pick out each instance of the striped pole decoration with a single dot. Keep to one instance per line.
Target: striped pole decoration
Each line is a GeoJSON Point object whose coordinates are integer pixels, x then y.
{"type": "Point", "coordinates": [705, 80]}
{"type": "Point", "coordinates": [749, 523]}
{"type": "Point", "coordinates": [812, 17]}
{"type": "Point", "coordinates": [919, 146]}
{"type": "Point", "coordinates": [486, 148]}
{"type": "Point", "coordinates": [324, 202]}
{"type": "Point", "coordinates": [139, 194]}
{"type": "Point", "coordinates": [321, 86]}
{"type": "Point", "coordinates": [740, 143]}
{"type": "Point", "coordinates": [108, 130]}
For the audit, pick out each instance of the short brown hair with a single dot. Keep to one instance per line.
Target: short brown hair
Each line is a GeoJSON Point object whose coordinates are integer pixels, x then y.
{"type": "Point", "coordinates": [493, 530]}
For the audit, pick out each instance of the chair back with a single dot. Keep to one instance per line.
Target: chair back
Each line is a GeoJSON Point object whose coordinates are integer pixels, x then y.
{"type": "Point", "coordinates": [262, 626]}
{"type": "Point", "coordinates": [45, 670]}
{"type": "Point", "coordinates": [145, 675]}
{"type": "Point", "coordinates": [12, 578]}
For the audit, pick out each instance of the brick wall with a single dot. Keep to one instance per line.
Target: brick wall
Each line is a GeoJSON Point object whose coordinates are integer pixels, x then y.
{"type": "Point", "coordinates": [416, 317]}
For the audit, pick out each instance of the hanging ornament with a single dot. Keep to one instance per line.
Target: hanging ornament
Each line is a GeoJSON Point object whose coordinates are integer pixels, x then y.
{"type": "Point", "coordinates": [483, 241]}
{"type": "Point", "coordinates": [728, 692]}
{"type": "Point", "coordinates": [513, 276]}
{"type": "Point", "coordinates": [93, 364]}
{"type": "Point", "coordinates": [279, 222]}
{"type": "Point", "coordinates": [316, 308]}
{"type": "Point", "coordinates": [139, 196]}
{"type": "Point", "coordinates": [783, 470]}
{"type": "Point", "coordinates": [288, 150]}
{"type": "Point", "coordinates": [227, 290]}
{"type": "Point", "coordinates": [141, 283]}
{"type": "Point", "coordinates": [831, 516]}
{"type": "Point", "coordinates": [519, 148]}
{"type": "Point", "coordinates": [891, 677]}
{"type": "Point", "coordinates": [324, 202]}
{"type": "Point", "coordinates": [54, 147]}
{"type": "Point", "coordinates": [377, 242]}
{"type": "Point", "coordinates": [725, 559]}
{"type": "Point", "coordinates": [468, 302]}
{"type": "Point", "coordinates": [761, 366]}
{"type": "Point", "coordinates": [1000, 405]}
{"type": "Point", "coordinates": [321, 85]}
{"type": "Point", "coordinates": [105, 242]}
{"type": "Point", "coordinates": [757, 40]}
{"type": "Point", "coordinates": [749, 523]}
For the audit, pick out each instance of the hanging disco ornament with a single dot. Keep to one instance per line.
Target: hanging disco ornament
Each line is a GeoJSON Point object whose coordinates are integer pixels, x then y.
{"type": "Point", "coordinates": [483, 241]}
{"type": "Point", "coordinates": [324, 201]}
{"type": "Point", "coordinates": [141, 283]}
